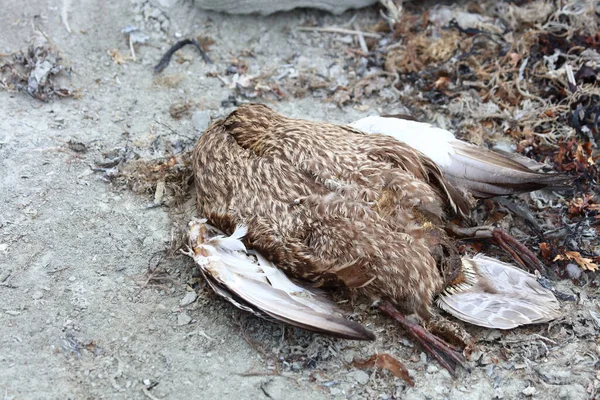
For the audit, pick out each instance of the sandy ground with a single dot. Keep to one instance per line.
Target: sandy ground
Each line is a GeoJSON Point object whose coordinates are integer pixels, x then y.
{"type": "Point", "coordinates": [77, 319]}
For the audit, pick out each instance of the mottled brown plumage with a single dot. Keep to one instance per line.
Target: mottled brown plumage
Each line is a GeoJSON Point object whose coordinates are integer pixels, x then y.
{"type": "Point", "coordinates": [329, 204]}
{"type": "Point", "coordinates": [333, 206]}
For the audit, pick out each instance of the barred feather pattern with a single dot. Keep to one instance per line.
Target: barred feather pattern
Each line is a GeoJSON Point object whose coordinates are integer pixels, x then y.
{"type": "Point", "coordinates": [328, 152]}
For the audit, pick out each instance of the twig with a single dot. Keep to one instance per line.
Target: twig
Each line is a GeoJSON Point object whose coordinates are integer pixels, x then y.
{"type": "Point", "coordinates": [272, 373]}
{"type": "Point", "coordinates": [262, 387]}
{"type": "Point", "coordinates": [131, 49]}
{"type": "Point", "coordinates": [361, 40]}
{"type": "Point", "coordinates": [544, 338]}
{"type": "Point", "coordinates": [58, 270]}
{"type": "Point", "coordinates": [394, 12]}
{"type": "Point", "coordinates": [339, 30]}
{"type": "Point", "coordinates": [64, 14]}
{"type": "Point", "coordinates": [164, 61]}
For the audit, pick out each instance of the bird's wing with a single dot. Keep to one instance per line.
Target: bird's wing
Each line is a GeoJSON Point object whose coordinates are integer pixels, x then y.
{"type": "Point", "coordinates": [524, 161]}
{"type": "Point", "coordinates": [501, 296]}
{"type": "Point", "coordinates": [484, 173]}
{"type": "Point", "coordinates": [264, 289]}
{"type": "Point", "coordinates": [415, 153]}
{"type": "Point", "coordinates": [496, 311]}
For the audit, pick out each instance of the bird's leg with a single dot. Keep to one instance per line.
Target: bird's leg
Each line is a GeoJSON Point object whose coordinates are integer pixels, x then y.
{"type": "Point", "coordinates": [447, 355]}
{"type": "Point", "coordinates": [519, 252]}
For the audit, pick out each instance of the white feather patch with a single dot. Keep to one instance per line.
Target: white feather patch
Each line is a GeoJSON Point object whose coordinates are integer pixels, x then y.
{"type": "Point", "coordinates": [434, 142]}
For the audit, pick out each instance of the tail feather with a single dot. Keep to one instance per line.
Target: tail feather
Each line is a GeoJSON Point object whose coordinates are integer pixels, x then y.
{"type": "Point", "coordinates": [488, 173]}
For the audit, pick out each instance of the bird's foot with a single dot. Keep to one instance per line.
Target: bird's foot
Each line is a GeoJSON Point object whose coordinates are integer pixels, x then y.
{"type": "Point", "coordinates": [451, 332]}
{"type": "Point", "coordinates": [449, 356]}
{"type": "Point", "coordinates": [519, 252]}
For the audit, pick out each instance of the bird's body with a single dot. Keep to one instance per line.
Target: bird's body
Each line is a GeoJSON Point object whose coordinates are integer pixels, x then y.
{"type": "Point", "coordinates": [331, 205]}
{"type": "Point", "coordinates": [327, 204]}
{"type": "Point", "coordinates": [323, 238]}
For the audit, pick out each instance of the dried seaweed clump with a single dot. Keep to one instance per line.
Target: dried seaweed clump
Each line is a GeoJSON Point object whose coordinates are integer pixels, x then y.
{"type": "Point", "coordinates": [35, 71]}
{"type": "Point", "coordinates": [168, 180]}
{"type": "Point", "coordinates": [530, 71]}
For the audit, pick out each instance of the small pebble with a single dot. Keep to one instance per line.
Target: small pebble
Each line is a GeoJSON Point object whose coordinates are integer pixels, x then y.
{"type": "Point", "coordinates": [529, 391]}
{"type": "Point", "coordinates": [563, 394]}
{"type": "Point", "coordinates": [349, 356]}
{"type": "Point", "coordinates": [439, 389]}
{"type": "Point", "coordinates": [37, 295]}
{"type": "Point", "coordinates": [573, 270]}
{"type": "Point", "coordinates": [183, 319]}
{"type": "Point", "coordinates": [72, 279]}
{"type": "Point", "coordinates": [432, 369]}
{"type": "Point", "coordinates": [359, 376]}
{"type": "Point", "coordinates": [296, 366]}
{"type": "Point", "coordinates": [498, 393]}
{"type": "Point", "coordinates": [201, 120]}
{"type": "Point", "coordinates": [148, 241]}
{"type": "Point", "coordinates": [189, 298]}
{"type": "Point", "coordinates": [445, 374]}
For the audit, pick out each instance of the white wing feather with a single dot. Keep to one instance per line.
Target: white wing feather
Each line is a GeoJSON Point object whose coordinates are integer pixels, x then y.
{"type": "Point", "coordinates": [263, 288]}
{"type": "Point", "coordinates": [434, 142]}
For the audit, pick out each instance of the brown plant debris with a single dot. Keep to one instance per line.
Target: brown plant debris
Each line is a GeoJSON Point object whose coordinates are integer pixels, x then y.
{"type": "Point", "coordinates": [35, 70]}
{"type": "Point", "coordinates": [388, 362]}
{"type": "Point", "coordinates": [583, 262]}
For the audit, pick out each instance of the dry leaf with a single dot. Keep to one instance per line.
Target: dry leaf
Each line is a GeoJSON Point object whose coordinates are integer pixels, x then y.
{"type": "Point", "coordinates": [545, 250]}
{"type": "Point", "coordinates": [386, 361]}
{"type": "Point", "coordinates": [583, 262]}
{"type": "Point", "coordinates": [442, 83]}
{"type": "Point", "coordinates": [117, 57]}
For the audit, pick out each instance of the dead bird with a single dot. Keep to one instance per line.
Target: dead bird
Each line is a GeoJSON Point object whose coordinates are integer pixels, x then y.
{"type": "Point", "coordinates": [482, 172]}
{"type": "Point", "coordinates": [334, 207]}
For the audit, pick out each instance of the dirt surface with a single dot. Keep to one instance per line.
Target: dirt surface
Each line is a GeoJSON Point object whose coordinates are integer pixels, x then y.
{"type": "Point", "coordinates": [89, 305]}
